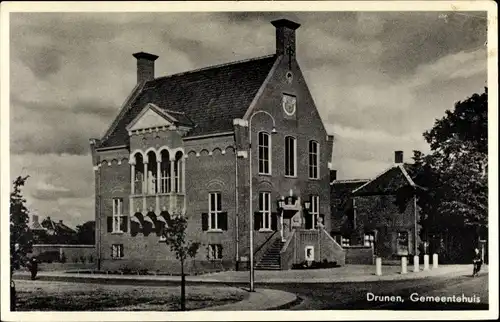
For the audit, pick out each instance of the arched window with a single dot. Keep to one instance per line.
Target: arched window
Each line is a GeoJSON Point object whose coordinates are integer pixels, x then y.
{"type": "Point", "coordinates": [138, 174]}
{"type": "Point", "coordinates": [178, 172]}
{"type": "Point", "coordinates": [264, 153]}
{"type": "Point", "coordinates": [290, 156]}
{"type": "Point", "coordinates": [313, 160]}
{"type": "Point", "coordinates": [165, 172]}
{"type": "Point", "coordinates": [152, 173]}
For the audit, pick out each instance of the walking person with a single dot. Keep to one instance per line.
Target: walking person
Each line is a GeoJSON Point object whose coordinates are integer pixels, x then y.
{"type": "Point", "coordinates": [477, 262]}
{"type": "Point", "coordinates": [33, 268]}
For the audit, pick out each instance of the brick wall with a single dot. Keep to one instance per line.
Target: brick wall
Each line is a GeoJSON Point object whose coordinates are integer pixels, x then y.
{"type": "Point", "coordinates": [380, 213]}
{"type": "Point", "coordinates": [210, 166]}
{"type": "Point", "coordinates": [359, 255]}
{"type": "Point", "coordinates": [307, 125]}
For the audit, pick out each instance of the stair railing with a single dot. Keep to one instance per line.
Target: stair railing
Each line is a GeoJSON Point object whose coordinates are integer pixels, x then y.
{"type": "Point", "coordinates": [260, 251]}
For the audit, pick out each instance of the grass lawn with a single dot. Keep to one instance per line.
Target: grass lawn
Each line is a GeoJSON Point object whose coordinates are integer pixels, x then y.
{"type": "Point", "coordinates": [66, 296]}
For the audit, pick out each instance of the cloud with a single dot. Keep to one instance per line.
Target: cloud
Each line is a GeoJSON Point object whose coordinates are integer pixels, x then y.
{"type": "Point", "coordinates": [60, 186]}
{"type": "Point", "coordinates": [379, 80]}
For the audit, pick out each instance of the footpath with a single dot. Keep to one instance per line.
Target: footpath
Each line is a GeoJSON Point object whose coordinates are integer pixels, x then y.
{"type": "Point", "coordinates": [265, 298]}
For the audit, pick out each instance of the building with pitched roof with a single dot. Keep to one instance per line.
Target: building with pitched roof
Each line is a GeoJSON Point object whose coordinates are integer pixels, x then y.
{"type": "Point", "coordinates": [381, 212]}
{"type": "Point", "coordinates": [239, 149]}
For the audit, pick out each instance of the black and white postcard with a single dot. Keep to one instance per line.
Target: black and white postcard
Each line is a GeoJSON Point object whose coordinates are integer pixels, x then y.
{"type": "Point", "coordinates": [240, 160]}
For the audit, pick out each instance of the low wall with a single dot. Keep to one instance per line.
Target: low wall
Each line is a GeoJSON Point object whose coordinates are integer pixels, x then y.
{"type": "Point", "coordinates": [359, 255]}
{"type": "Point", "coordinates": [70, 254]}
{"type": "Point", "coordinates": [325, 248]}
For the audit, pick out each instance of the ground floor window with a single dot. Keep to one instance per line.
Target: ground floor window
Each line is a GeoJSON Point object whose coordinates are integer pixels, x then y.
{"type": "Point", "coordinates": [117, 250]}
{"type": "Point", "coordinates": [369, 239]}
{"type": "Point", "coordinates": [402, 243]}
{"type": "Point", "coordinates": [345, 241]}
{"type": "Point", "coordinates": [214, 251]}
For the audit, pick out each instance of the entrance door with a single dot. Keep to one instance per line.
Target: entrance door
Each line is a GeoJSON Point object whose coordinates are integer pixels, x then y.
{"type": "Point", "coordinates": [286, 227]}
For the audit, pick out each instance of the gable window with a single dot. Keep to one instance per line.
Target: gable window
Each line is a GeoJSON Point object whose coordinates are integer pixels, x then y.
{"type": "Point", "coordinates": [290, 156]}
{"type": "Point", "coordinates": [264, 153]}
{"type": "Point", "coordinates": [117, 251]}
{"type": "Point", "coordinates": [214, 251]}
{"type": "Point", "coordinates": [313, 160]}
{"type": "Point", "coordinates": [265, 209]}
{"type": "Point", "coordinates": [119, 220]}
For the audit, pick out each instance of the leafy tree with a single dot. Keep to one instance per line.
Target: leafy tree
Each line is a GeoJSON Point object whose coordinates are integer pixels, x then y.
{"type": "Point", "coordinates": [20, 234]}
{"type": "Point", "coordinates": [86, 233]}
{"type": "Point", "coordinates": [455, 172]}
{"type": "Point", "coordinates": [175, 236]}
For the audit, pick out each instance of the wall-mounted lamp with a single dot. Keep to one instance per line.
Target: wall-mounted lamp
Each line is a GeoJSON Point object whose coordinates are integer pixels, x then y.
{"type": "Point", "coordinates": [281, 202]}
{"type": "Point", "coordinates": [307, 205]}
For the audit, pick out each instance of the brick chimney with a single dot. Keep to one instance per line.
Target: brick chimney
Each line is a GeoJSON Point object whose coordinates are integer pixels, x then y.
{"type": "Point", "coordinates": [398, 157]}
{"type": "Point", "coordinates": [145, 66]}
{"type": "Point", "coordinates": [285, 36]}
{"type": "Point", "coordinates": [34, 218]}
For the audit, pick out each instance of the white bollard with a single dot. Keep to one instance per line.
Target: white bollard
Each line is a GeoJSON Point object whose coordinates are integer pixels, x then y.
{"type": "Point", "coordinates": [378, 264]}
{"type": "Point", "coordinates": [416, 264]}
{"type": "Point", "coordinates": [435, 261]}
{"type": "Point", "coordinates": [426, 262]}
{"type": "Point", "coordinates": [404, 265]}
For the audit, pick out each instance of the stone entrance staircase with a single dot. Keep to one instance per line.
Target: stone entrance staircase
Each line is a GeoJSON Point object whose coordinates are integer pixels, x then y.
{"type": "Point", "coordinates": [271, 258]}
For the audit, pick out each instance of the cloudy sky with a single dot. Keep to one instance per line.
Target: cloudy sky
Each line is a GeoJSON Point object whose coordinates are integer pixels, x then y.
{"type": "Point", "coordinates": [379, 81]}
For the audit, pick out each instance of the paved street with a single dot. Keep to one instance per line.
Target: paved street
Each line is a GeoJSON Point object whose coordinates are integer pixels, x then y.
{"type": "Point", "coordinates": [341, 291]}
{"type": "Point", "coordinates": [334, 296]}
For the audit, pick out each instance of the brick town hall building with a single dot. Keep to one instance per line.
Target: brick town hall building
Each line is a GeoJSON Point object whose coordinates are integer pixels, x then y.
{"type": "Point", "coordinates": [205, 143]}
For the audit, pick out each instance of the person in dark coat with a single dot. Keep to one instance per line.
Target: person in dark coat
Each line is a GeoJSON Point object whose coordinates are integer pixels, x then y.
{"type": "Point", "coordinates": [477, 262]}
{"type": "Point", "coordinates": [33, 268]}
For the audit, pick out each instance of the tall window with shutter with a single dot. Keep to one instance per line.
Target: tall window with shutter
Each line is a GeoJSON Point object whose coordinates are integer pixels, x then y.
{"type": "Point", "coordinates": [215, 219]}
{"type": "Point", "coordinates": [117, 223]}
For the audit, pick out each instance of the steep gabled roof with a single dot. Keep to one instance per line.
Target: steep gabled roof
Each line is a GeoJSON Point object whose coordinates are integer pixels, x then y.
{"type": "Point", "coordinates": [388, 181]}
{"type": "Point", "coordinates": [342, 188]}
{"type": "Point", "coordinates": [210, 97]}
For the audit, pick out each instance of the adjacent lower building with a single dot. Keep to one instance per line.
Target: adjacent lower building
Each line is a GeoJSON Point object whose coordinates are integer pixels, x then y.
{"type": "Point", "coordinates": [223, 145]}
{"type": "Point", "coordinates": [380, 213]}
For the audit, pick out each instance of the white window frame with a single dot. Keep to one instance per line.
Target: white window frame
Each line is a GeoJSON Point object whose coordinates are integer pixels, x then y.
{"type": "Point", "coordinates": [265, 210]}
{"type": "Point", "coordinates": [165, 179]}
{"type": "Point", "coordinates": [369, 239]}
{"type": "Point", "coordinates": [314, 210]}
{"type": "Point", "coordinates": [294, 156]}
{"type": "Point", "coordinates": [214, 210]}
{"type": "Point", "coordinates": [315, 165]}
{"type": "Point", "coordinates": [214, 252]}
{"type": "Point", "coordinates": [269, 151]}
{"type": "Point", "coordinates": [118, 215]}
{"type": "Point", "coordinates": [116, 251]}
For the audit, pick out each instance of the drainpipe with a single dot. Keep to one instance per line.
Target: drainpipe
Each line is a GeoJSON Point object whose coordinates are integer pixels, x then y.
{"type": "Point", "coordinates": [237, 208]}
{"type": "Point", "coordinates": [415, 215]}
{"type": "Point", "coordinates": [98, 219]}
